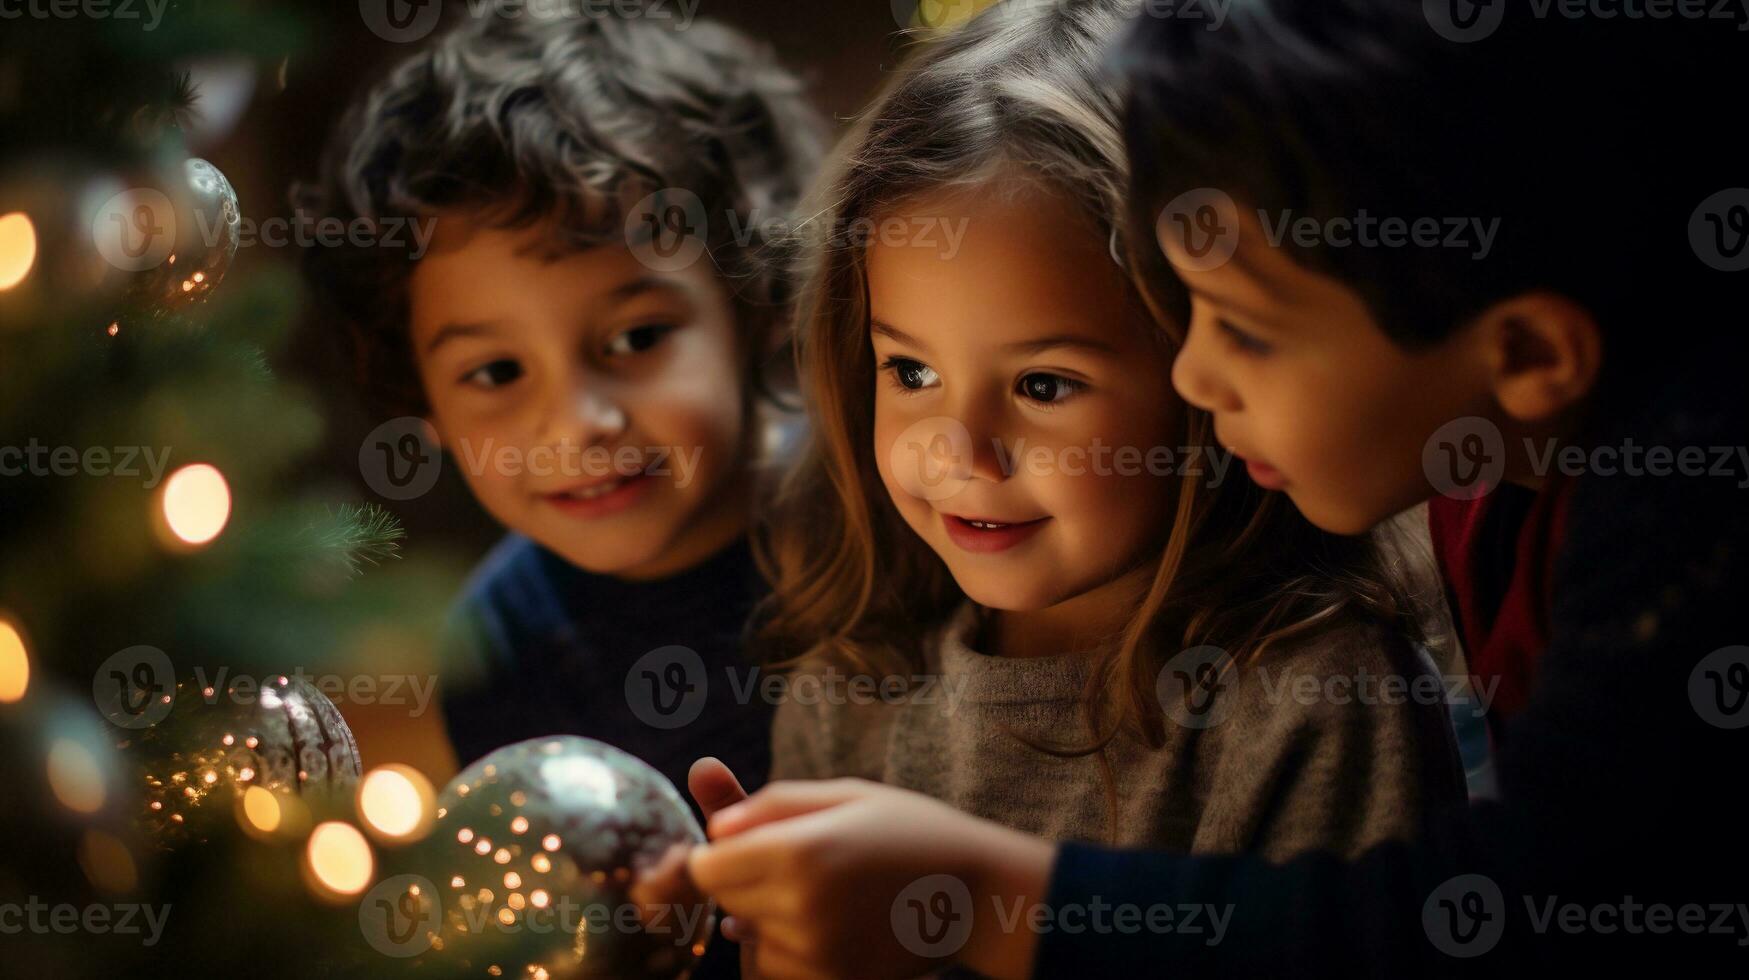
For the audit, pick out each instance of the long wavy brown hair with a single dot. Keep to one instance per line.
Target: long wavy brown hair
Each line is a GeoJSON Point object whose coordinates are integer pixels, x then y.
{"type": "Point", "coordinates": [1019, 86]}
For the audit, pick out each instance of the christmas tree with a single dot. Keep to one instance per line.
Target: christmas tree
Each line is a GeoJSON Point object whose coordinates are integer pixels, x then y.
{"type": "Point", "coordinates": [176, 791]}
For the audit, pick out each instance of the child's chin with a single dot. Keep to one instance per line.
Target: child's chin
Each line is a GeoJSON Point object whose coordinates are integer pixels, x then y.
{"type": "Point", "coordinates": [1006, 593]}
{"type": "Point", "coordinates": [603, 554]}
{"type": "Point", "coordinates": [1347, 519]}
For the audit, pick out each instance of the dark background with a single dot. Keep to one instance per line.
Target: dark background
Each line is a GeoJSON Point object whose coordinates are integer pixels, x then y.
{"type": "Point", "coordinates": [840, 49]}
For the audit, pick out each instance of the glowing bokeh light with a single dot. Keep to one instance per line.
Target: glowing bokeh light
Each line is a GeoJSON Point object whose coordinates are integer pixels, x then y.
{"type": "Point", "coordinates": [396, 801]}
{"type": "Point", "coordinates": [261, 809]}
{"type": "Point", "coordinates": [339, 858]}
{"type": "Point", "coordinates": [17, 248]}
{"type": "Point", "coordinates": [14, 664]}
{"type": "Point", "coordinates": [197, 503]}
{"type": "Point", "coordinates": [75, 777]}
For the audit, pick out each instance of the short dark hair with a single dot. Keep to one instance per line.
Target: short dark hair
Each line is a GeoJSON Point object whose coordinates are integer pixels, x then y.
{"type": "Point", "coordinates": [525, 120]}
{"type": "Point", "coordinates": [1588, 139]}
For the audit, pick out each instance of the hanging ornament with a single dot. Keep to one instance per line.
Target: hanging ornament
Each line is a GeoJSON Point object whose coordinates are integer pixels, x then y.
{"type": "Point", "coordinates": [198, 752]}
{"type": "Point", "coordinates": [528, 870]}
{"type": "Point", "coordinates": [205, 228]}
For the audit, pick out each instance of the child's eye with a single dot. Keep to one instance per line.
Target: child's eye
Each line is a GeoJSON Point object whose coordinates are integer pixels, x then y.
{"type": "Point", "coordinates": [1049, 389]}
{"type": "Point", "coordinates": [639, 339]}
{"type": "Point", "coordinates": [910, 375]}
{"type": "Point", "coordinates": [1245, 342]}
{"type": "Point", "coordinates": [494, 375]}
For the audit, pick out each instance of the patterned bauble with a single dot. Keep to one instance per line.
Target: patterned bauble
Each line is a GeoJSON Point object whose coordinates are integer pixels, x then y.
{"type": "Point", "coordinates": [528, 871]}
{"type": "Point", "coordinates": [207, 226]}
{"type": "Point", "coordinates": [197, 749]}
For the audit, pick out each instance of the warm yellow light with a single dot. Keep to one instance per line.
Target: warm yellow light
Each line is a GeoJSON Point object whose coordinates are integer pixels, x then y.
{"type": "Point", "coordinates": [396, 801]}
{"type": "Point", "coordinates": [107, 862]}
{"type": "Point", "coordinates": [75, 777]}
{"type": "Point", "coordinates": [339, 858]}
{"type": "Point", "coordinates": [17, 248]}
{"type": "Point", "coordinates": [261, 809]}
{"type": "Point", "coordinates": [14, 664]}
{"type": "Point", "coordinates": [197, 503]}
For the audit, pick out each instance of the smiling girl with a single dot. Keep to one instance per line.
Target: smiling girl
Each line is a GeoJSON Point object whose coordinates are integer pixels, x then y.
{"type": "Point", "coordinates": [1116, 650]}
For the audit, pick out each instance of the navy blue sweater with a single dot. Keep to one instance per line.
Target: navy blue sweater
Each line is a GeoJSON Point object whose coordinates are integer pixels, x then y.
{"type": "Point", "coordinates": [537, 646]}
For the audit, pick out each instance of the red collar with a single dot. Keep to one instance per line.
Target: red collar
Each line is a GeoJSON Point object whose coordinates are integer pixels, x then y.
{"type": "Point", "coordinates": [1497, 556]}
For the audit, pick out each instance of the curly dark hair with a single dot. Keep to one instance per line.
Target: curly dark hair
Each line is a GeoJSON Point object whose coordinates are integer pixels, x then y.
{"type": "Point", "coordinates": [565, 122]}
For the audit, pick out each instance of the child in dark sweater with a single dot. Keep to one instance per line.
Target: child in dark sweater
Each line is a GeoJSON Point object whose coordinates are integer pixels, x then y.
{"type": "Point", "coordinates": [588, 338]}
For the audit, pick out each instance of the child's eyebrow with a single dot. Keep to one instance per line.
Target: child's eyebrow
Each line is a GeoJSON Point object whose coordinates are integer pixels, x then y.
{"type": "Point", "coordinates": [1239, 308]}
{"type": "Point", "coordinates": [641, 285]}
{"type": "Point", "coordinates": [455, 331]}
{"type": "Point", "coordinates": [887, 329]}
{"type": "Point", "coordinates": [1037, 346]}
{"type": "Point", "coordinates": [1043, 344]}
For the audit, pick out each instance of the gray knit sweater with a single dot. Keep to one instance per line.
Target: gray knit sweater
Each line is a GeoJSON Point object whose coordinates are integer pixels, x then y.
{"type": "Point", "coordinates": [1334, 745]}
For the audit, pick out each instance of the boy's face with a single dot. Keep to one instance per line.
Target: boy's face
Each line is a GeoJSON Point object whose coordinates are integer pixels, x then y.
{"type": "Point", "coordinates": [1307, 389]}
{"type": "Point", "coordinates": [1020, 385]}
{"type": "Point", "coordinates": [592, 404]}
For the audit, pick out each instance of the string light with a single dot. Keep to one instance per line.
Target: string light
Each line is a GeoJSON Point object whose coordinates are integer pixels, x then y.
{"type": "Point", "coordinates": [75, 777]}
{"type": "Point", "coordinates": [14, 663]}
{"type": "Point", "coordinates": [107, 863]}
{"type": "Point", "coordinates": [261, 809]}
{"type": "Point", "coordinates": [396, 802]}
{"type": "Point", "coordinates": [338, 860]}
{"type": "Point", "coordinates": [17, 248]}
{"type": "Point", "coordinates": [196, 503]}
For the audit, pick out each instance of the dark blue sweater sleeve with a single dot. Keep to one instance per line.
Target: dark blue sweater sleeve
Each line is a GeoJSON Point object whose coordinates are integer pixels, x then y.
{"type": "Point", "coordinates": [1617, 844]}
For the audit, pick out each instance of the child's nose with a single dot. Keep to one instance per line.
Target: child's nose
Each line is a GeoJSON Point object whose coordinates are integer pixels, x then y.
{"type": "Point", "coordinates": [584, 416]}
{"type": "Point", "coordinates": [991, 442]}
{"type": "Point", "coordinates": [1196, 379]}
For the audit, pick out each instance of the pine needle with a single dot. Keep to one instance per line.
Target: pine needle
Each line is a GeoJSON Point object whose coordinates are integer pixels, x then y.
{"type": "Point", "coordinates": [356, 535]}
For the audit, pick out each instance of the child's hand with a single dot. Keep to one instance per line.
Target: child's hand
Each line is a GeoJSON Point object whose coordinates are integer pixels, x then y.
{"type": "Point", "coordinates": [666, 886]}
{"type": "Point", "coordinates": [830, 876]}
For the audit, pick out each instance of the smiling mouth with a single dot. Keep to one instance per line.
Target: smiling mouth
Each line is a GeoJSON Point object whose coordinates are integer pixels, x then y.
{"type": "Point", "coordinates": [985, 536]}
{"type": "Point", "coordinates": [596, 491]}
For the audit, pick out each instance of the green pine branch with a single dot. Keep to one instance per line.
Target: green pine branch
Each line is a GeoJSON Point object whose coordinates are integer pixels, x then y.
{"type": "Point", "coordinates": [356, 535]}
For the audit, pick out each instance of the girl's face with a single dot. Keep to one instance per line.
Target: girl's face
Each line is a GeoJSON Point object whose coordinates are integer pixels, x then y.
{"type": "Point", "coordinates": [592, 404]}
{"type": "Point", "coordinates": [1024, 423]}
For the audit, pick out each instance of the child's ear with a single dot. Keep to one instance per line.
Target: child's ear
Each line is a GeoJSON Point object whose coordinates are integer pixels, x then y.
{"type": "Point", "coordinates": [1544, 353]}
